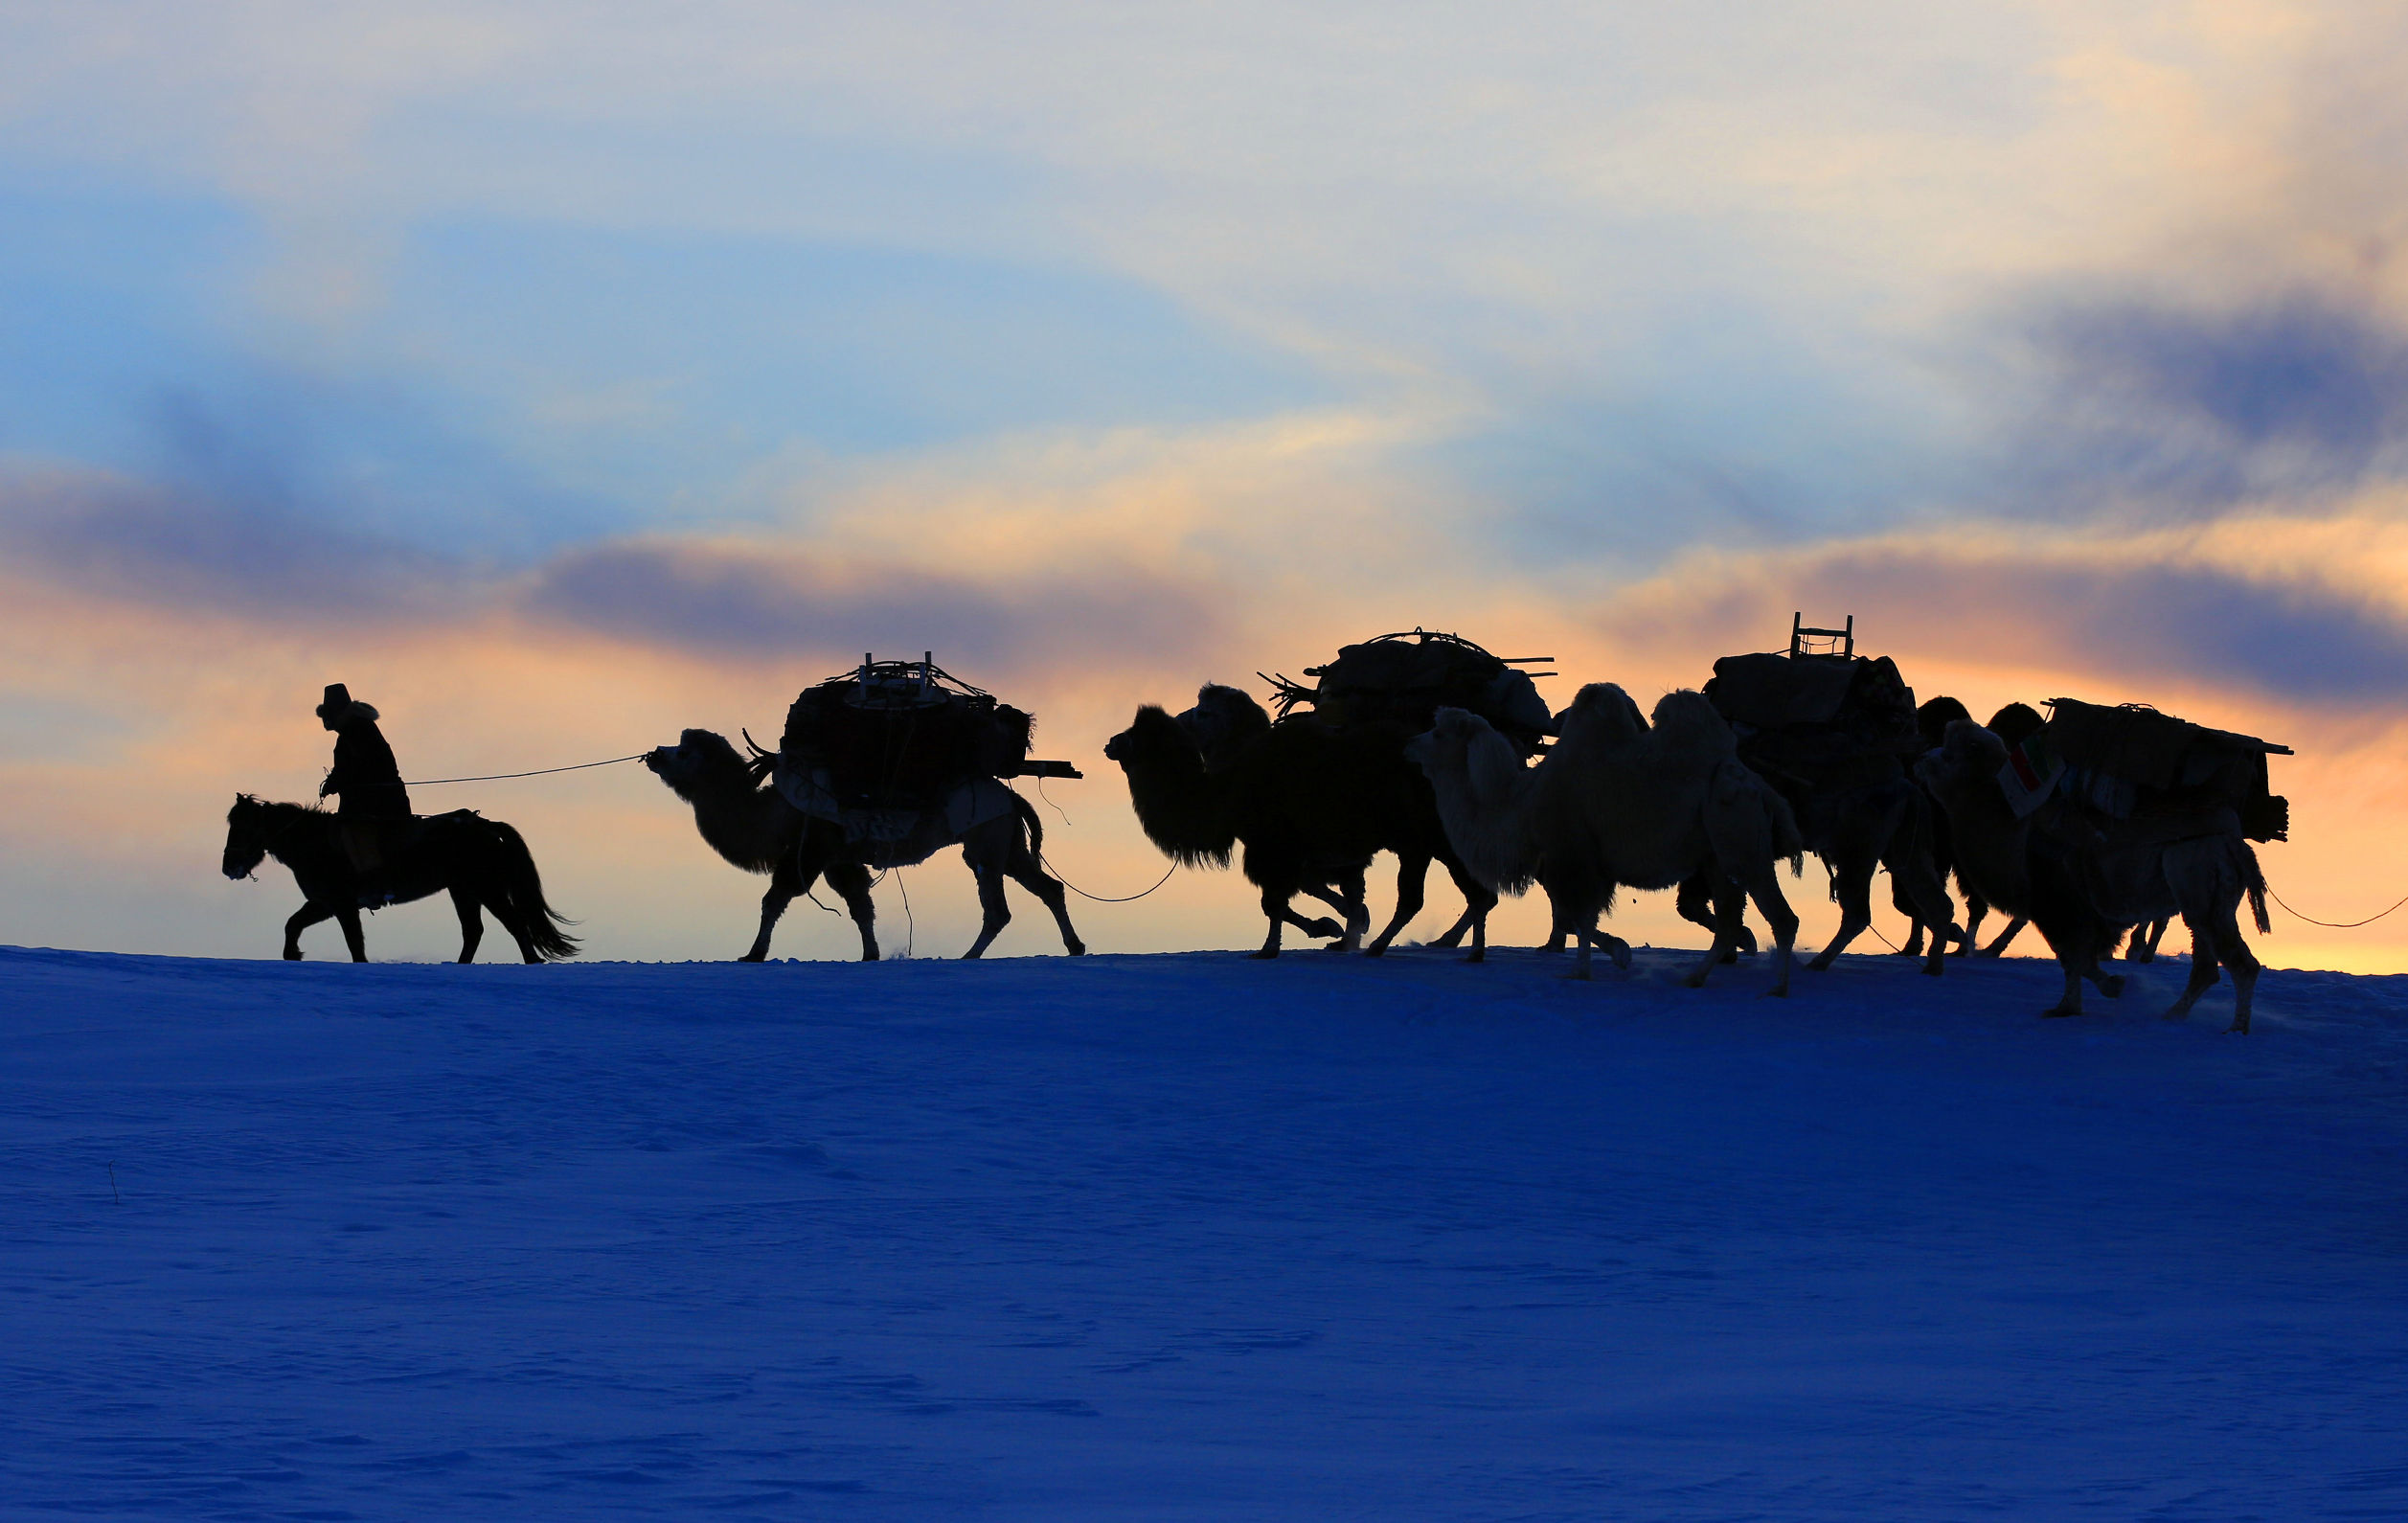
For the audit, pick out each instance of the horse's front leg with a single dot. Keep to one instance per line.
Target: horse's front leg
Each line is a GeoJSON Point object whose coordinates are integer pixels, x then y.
{"type": "Point", "coordinates": [304, 918]}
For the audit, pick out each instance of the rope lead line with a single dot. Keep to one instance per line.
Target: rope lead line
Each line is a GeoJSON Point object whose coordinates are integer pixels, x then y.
{"type": "Point", "coordinates": [498, 776]}
{"type": "Point", "coordinates": [2334, 925]}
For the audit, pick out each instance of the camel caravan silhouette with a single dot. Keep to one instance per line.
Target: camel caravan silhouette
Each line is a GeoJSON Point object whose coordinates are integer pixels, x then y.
{"type": "Point", "coordinates": [878, 768]}
{"type": "Point", "coordinates": [2094, 822]}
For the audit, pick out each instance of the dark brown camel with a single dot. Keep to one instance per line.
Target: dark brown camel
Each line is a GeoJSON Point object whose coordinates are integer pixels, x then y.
{"type": "Point", "coordinates": [748, 822]}
{"type": "Point", "coordinates": [1307, 801]}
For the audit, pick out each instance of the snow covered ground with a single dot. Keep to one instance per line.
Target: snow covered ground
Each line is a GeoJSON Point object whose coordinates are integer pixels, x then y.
{"type": "Point", "coordinates": [1192, 1237]}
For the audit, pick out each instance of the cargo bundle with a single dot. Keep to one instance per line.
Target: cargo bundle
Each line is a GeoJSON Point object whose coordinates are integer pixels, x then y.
{"type": "Point", "coordinates": [895, 750]}
{"type": "Point", "coordinates": [2130, 762]}
{"type": "Point", "coordinates": [1406, 678]}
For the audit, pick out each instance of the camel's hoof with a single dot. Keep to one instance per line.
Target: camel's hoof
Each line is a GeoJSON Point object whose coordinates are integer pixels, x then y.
{"type": "Point", "coordinates": [1480, 956]}
{"type": "Point", "coordinates": [1323, 928]}
{"type": "Point", "coordinates": [1934, 969]}
{"type": "Point", "coordinates": [754, 957]}
{"type": "Point", "coordinates": [2112, 986]}
{"type": "Point", "coordinates": [1778, 992]}
{"type": "Point", "coordinates": [1576, 975]}
{"type": "Point", "coordinates": [2057, 1012]}
{"type": "Point", "coordinates": [1260, 957]}
{"type": "Point", "coordinates": [869, 957]}
{"type": "Point", "coordinates": [2238, 1029]}
{"type": "Point", "coordinates": [1076, 949]}
{"type": "Point", "coordinates": [1621, 960]}
{"type": "Point", "coordinates": [292, 954]}
{"type": "Point", "coordinates": [1375, 950]}
{"type": "Point", "coordinates": [1821, 965]}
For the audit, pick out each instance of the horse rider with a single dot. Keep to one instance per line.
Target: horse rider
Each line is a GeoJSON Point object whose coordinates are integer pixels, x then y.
{"type": "Point", "coordinates": [375, 808]}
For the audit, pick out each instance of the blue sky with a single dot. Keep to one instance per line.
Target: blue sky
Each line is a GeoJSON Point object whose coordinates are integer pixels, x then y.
{"type": "Point", "coordinates": [678, 355]}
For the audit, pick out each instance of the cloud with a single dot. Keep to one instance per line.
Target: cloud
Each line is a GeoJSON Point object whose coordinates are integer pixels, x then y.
{"type": "Point", "coordinates": [260, 559]}
{"type": "Point", "coordinates": [764, 602]}
{"type": "Point", "coordinates": [2304, 391]}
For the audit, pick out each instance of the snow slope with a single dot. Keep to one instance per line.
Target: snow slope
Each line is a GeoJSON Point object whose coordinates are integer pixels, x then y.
{"type": "Point", "coordinates": [1192, 1237]}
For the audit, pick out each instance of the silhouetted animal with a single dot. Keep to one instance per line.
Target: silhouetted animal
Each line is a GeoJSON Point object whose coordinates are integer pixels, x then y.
{"type": "Point", "coordinates": [2081, 878]}
{"type": "Point", "coordinates": [1931, 721]}
{"type": "Point", "coordinates": [2013, 725]}
{"type": "Point", "coordinates": [1617, 802]}
{"type": "Point", "coordinates": [748, 822]}
{"type": "Point", "coordinates": [481, 862]}
{"type": "Point", "coordinates": [1307, 801]}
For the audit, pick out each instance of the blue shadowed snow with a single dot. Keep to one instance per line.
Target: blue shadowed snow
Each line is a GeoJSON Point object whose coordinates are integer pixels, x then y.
{"type": "Point", "coordinates": [1192, 1237]}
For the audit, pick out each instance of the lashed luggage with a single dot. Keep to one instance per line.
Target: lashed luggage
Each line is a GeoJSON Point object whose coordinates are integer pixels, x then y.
{"type": "Point", "coordinates": [1818, 725]}
{"type": "Point", "coordinates": [1406, 678]}
{"type": "Point", "coordinates": [903, 756]}
{"type": "Point", "coordinates": [2129, 761]}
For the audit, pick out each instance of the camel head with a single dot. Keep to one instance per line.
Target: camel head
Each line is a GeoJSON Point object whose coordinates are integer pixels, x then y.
{"type": "Point", "coordinates": [2016, 723]}
{"type": "Point", "coordinates": [1446, 744]}
{"type": "Point", "coordinates": [1968, 757]}
{"type": "Point", "coordinates": [1461, 749]}
{"type": "Point", "coordinates": [1223, 720]}
{"type": "Point", "coordinates": [700, 761]}
{"type": "Point", "coordinates": [1933, 718]}
{"type": "Point", "coordinates": [1154, 737]}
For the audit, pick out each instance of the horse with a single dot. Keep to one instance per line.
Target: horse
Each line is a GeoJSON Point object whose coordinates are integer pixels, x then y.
{"type": "Point", "coordinates": [481, 862]}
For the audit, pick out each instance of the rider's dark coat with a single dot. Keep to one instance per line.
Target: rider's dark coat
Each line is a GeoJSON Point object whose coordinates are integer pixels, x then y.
{"type": "Point", "coordinates": [365, 773]}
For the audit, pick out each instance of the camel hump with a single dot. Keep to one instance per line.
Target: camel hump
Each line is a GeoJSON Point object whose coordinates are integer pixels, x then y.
{"type": "Point", "coordinates": [1601, 714]}
{"type": "Point", "coordinates": [1687, 722]}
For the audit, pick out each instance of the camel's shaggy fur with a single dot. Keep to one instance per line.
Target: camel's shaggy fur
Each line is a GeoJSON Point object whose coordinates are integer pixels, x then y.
{"type": "Point", "coordinates": [747, 821]}
{"type": "Point", "coordinates": [1310, 803]}
{"type": "Point", "coordinates": [1617, 802]}
{"type": "Point", "coordinates": [2081, 879]}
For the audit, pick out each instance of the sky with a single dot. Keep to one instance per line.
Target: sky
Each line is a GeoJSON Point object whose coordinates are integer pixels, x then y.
{"type": "Point", "coordinates": [561, 375]}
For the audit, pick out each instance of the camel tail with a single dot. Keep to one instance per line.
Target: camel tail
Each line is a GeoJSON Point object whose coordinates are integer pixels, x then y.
{"type": "Point", "coordinates": [523, 887]}
{"type": "Point", "coordinates": [2254, 880]}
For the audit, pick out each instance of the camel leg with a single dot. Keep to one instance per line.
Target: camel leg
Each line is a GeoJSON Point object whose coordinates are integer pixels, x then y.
{"type": "Point", "coordinates": [1764, 888]}
{"type": "Point", "coordinates": [2238, 957]}
{"type": "Point", "coordinates": [1478, 901]}
{"type": "Point", "coordinates": [1904, 905]}
{"type": "Point", "coordinates": [1030, 874]}
{"type": "Point", "coordinates": [1912, 877]}
{"type": "Point", "coordinates": [2144, 939]}
{"type": "Point", "coordinates": [994, 913]}
{"type": "Point", "coordinates": [1851, 876]}
{"type": "Point", "coordinates": [1453, 935]}
{"type": "Point", "coordinates": [1976, 909]}
{"type": "Point", "coordinates": [472, 921]}
{"type": "Point", "coordinates": [1275, 910]}
{"type": "Point", "coordinates": [2203, 965]}
{"type": "Point", "coordinates": [1693, 902]}
{"type": "Point", "coordinates": [785, 880]}
{"type": "Point", "coordinates": [1726, 899]}
{"type": "Point", "coordinates": [2014, 928]}
{"type": "Point", "coordinates": [347, 916]}
{"type": "Point", "coordinates": [1413, 873]}
{"type": "Point", "coordinates": [302, 919]}
{"type": "Point", "coordinates": [852, 882]}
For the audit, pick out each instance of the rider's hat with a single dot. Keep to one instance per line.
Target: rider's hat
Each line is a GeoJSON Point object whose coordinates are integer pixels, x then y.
{"type": "Point", "coordinates": [338, 698]}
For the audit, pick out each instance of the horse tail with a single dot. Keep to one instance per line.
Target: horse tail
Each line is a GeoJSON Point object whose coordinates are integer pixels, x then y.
{"type": "Point", "coordinates": [522, 888]}
{"type": "Point", "coordinates": [1029, 821]}
{"type": "Point", "coordinates": [2254, 880]}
